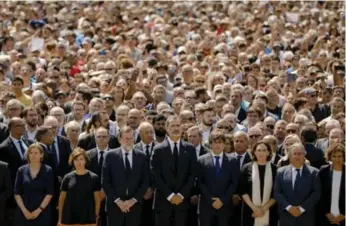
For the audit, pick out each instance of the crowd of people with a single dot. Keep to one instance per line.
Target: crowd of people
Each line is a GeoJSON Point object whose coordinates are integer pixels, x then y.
{"type": "Point", "coordinates": [172, 113]}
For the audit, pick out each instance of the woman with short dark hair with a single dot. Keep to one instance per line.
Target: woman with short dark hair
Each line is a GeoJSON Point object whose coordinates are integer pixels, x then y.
{"type": "Point", "coordinates": [79, 201]}
{"type": "Point", "coordinates": [256, 187]}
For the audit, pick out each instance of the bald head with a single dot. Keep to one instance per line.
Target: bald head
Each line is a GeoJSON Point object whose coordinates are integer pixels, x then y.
{"type": "Point", "coordinates": [134, 118]}
{"type": "Point", "coordinates": [52, 122]}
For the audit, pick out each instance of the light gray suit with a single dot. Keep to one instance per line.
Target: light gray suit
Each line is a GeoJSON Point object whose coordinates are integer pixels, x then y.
{"type": "Point", "coordinates": [306, 195]}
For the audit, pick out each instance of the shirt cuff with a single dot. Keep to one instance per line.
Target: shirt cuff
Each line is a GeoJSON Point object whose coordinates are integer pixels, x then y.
{"type": "Point", "coordinates": [181, 196]}
{"type": "Point", "coordinates": [170, 197]}
{"type": "Point", "coordinates": [116, 200]}
{"type": "Point", "coordinates": [288, 207]}
{"type": "Point", "coordinates": [134, 200]}
{"type": "Point", "coordinates": [301, 209]}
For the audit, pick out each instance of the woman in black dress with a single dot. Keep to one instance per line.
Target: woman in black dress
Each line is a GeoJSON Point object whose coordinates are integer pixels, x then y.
{"type": "Point", "coordinates": [332, 202]}
{"type": "Point", "coordinates": [79, 201]}
{"type": "Point", "coordinates": [256, 187]}
{"type": "Point", "coordinates": [33, 190]}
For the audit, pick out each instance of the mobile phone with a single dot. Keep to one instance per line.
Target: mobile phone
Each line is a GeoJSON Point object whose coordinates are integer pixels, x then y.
{"type": "Point", "coordinates": [291, 77]}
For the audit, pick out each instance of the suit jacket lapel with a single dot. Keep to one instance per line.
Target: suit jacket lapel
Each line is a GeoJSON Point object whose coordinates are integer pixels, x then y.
{"type": "Point", "coordinates": [13, 147]}
{"type": "Point", "coordinates": [181, 159]}
{"type": "Point", "coordinates": [223, 164]}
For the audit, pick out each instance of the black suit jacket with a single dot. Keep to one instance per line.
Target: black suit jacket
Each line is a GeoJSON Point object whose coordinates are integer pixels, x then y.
{"type": "Point", "coordinates": [165, 179]}
{"type": "Point", "coordinates": [113, 177]}
{"type": "Point", "coordinates": [322, 143]}
{"type": "Point", "coordinates": [315, 156]}
{"type": "Point", "coordinates": [93, 164]}
{"type": "Point", "coordinates": [6, 188]}
{"type": "Point", "coordinates": [326, 177]}
{"type": "Point", "coordinates": [237, 170]}
{"type": "Point", "coordinates": [10, 155]}
{"type": "Point", "coordinates": [241, 115]}
{"type": "Point", "coordinates": [64, 154]}
{"type": "Point", "coordinates": [88, 142]}
{"type": "Point", "coordinates": [212, 186]}
{"type": "Point", "coordinates": [3, 132]}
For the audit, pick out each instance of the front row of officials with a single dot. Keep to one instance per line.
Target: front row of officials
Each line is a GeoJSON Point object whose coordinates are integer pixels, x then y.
{"type": "Point", "coordinates": [289, 194]}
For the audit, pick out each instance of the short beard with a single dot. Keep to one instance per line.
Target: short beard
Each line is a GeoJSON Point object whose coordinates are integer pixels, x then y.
{"type": "Point", "coordinates": [160, 132]}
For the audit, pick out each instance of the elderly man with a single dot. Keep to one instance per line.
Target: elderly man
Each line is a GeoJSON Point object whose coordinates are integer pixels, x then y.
{"type": "Point", "coordinates": [297, 190]}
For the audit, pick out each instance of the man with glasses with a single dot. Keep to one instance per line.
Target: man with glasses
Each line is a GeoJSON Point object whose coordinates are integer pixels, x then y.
{"type": "Point", "coordinates": [13, 109]}
{"type": "Point", "coordinates": [59, 114]}
{"type": "Point", "coordinates": [318, 110]}
{"type": "Point", "coordinates": [292, 128]}
{"type": "Point", "coordinates": [269, 122]}
{"type": "Point", "coordinates": [109, 105]}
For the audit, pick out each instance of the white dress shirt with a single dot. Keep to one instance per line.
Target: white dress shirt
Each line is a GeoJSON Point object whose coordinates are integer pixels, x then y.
{"type": "Point", "coordinates": [198, 150]}
{"type": "Point", "coordinates": [334, 208]}
{"type": "Point", "coordinates": [242, 158]}
{"type": "Point", "coordinates": [19, 150]}
{"type": "Point", "coordinates": [31, 135]}
{"type": "Point", "coordinates": [220, 159]}
{"type": "Point", "coordinates": [145, 147]}
{"type": "Point", "coordinates": [294, 176]}
{"type": "Point", "coordinates": [129, 156]}
{"type": "Point", "coordinates": [99, 153]}
{"type": "Point", "coordinates": [171, 144]}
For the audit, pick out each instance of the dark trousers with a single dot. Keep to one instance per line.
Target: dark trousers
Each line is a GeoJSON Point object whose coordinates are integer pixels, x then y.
{"type": "Point", "coordinates": [171, 217]}
{"type": "Point", "coordinates": [103, 214]}
{"type": "Point", "coordinates": [147, 215]}
{"type": "Point", "coordinates": [236, 218]}
{"type": "Point", "coordinates": [192, 218]}
{"type": "Point", "coordinates": [8, 216]}
{"type": "Point", "coordinates": [214, 218]}
{"type": "Point", "coordinates": [115, 217]}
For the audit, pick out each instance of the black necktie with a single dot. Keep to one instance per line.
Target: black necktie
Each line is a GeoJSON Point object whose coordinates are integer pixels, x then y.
{"type": "Point", "coordinates": [217, 166]}
{"type": "Point", "coordinates": [147, 152]}
{"type": "Point", "coordinates": [296, 182]}
{"type": "Point", "coordinates": [239, 161]}
{"type": "Point", "coordinates": [127, 166]}
{"type": "Point", "coordinates": [101, 161]}
{"type": "Point", "coordinates": [21, 148]}
{"type": "Point", "coordinates": [175, 157]}
{"type": "Point", "coordinates": [55, 154]}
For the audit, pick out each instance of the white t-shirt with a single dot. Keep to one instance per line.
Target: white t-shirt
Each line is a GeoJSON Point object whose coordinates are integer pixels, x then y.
{"type": "Point", "coordinates": [334, 209]}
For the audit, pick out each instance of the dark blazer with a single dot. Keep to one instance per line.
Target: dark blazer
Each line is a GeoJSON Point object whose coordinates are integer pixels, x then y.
{"type": "Point", "coordinates": [114, 182]}
{"type": "Point", "coordinates": [88, 142]}
{"type": "Point", "coordinates": [315, 156]}
{"type": "Point", "coordinates": [241, 115]}
{"type": "Point", "coordinates": [326, 177]}
{"type": "Point", "coordinates": [10, 155]}
{"type": "Point", "coordinates": [3, 132]}
{"type": "Point", "coordinates": [64, 154]}
{"type": "Point", "coordinates": [322, 143]}
{"type": "Point", "coordinates": [237, 170]}
{"type": "Point", "coordinates": [306, 196]}
{"type": "Point", "coordinates": [276, 158]}
{"type": "Point", "coordinates": [165, 179]}
{"type": "Point", "coordinates": [211, 186]}
{"type": "Point", "coordinates": [93, 164]}
{"type": "Point", "coordinates": [6, 189]}
{"type": "Point", "coordinates": [139, 146]}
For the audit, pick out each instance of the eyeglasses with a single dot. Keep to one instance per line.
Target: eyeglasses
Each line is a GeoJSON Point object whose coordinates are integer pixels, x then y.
{"type": "Point", "coordinates": [221, 127]}
{"type": "Point", "coordinates": [270, 126]}
{"type": "Point", "coordinates": [189, 119]}
{"type": "Point", "coordinates": [254, 136]}
{"type": "Point", "coordinates": [291, 131]}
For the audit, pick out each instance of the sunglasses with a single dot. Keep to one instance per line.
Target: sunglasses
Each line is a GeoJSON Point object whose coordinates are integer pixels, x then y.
{"type": "Point", "coordinates": [291, 131]}
{"type": "Point", "coordinates": [270, 126]}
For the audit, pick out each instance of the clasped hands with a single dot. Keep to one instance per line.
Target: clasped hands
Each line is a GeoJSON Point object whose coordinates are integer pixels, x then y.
{"type": "Point", "coordinates": [295, 211]}
{"type": "Point", "coordinates": [176, 200]}
{"type": "Point", "coordinates": [217, 204]}
{"type": "Point", "coordinates": [258, 211]}
{"type": "Point", "coordinates": [32, 215]}
{"type": "Point", "coordinates": [335, 220]}
{"type": "Point", "coordinates": [125, 205]}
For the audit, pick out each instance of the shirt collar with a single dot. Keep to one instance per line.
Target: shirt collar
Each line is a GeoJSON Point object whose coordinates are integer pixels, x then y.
{"type": "Point", "coordinates": [198, 148]}
{"type": "Point", "coordinates": [99, 150]}
{"type": "Point", "coordinates": [145, 145]}
{"type": "Point", "coordinates": [294, 168]}
{"type": "Point", "coordinates": [124, 152]}
{"type": "Point", "coordinates": [220, 155]}
{"type": "Point", "coordinates": [243, 155]}
{"type": "Point", "coordinates": [14, 139]}
{"type": "Point", "coordinates": [172, 142]}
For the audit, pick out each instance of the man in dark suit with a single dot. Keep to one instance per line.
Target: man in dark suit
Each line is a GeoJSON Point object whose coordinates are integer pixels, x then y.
{"type": "Point", "coordinates": [3, 132]}
{"type": "Point", "coordinates": [174, 167]}
{"type": "Point", "coordinates": [194, 137]}
{"type": "Point", "coordinates": [31, 120]}
{"type": "Point", "coordinates": [216, 183]}
{"type": "Point", "coordinates": [147, 144]}
{"type": "Point", "coordinates": [236, 99]}
{"type": "Point", "coordinates": [241, 145]}
{"type": "Point", "coordinates": [12, 151]}
{"type": "Point", "coordinates": [125, 180]}
{"type": "Point", "coordinates": [297, 190]}
{"type": "Point", "coordinates": [134, 119]}
{"type": "Point", "coordinates": [315, 155]}
{"type": "Point", "coordinates": [6, 190]}
{"type": "Point", "coordinates": [61, 148]}
{"type": "Point", "coordinates": [96, 159]}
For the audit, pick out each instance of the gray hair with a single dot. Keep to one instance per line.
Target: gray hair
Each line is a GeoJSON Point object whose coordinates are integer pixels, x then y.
{"type": "Point", "coordinates": [294, 147]}
{"type": "Point", "coordinates": [72, 124]}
